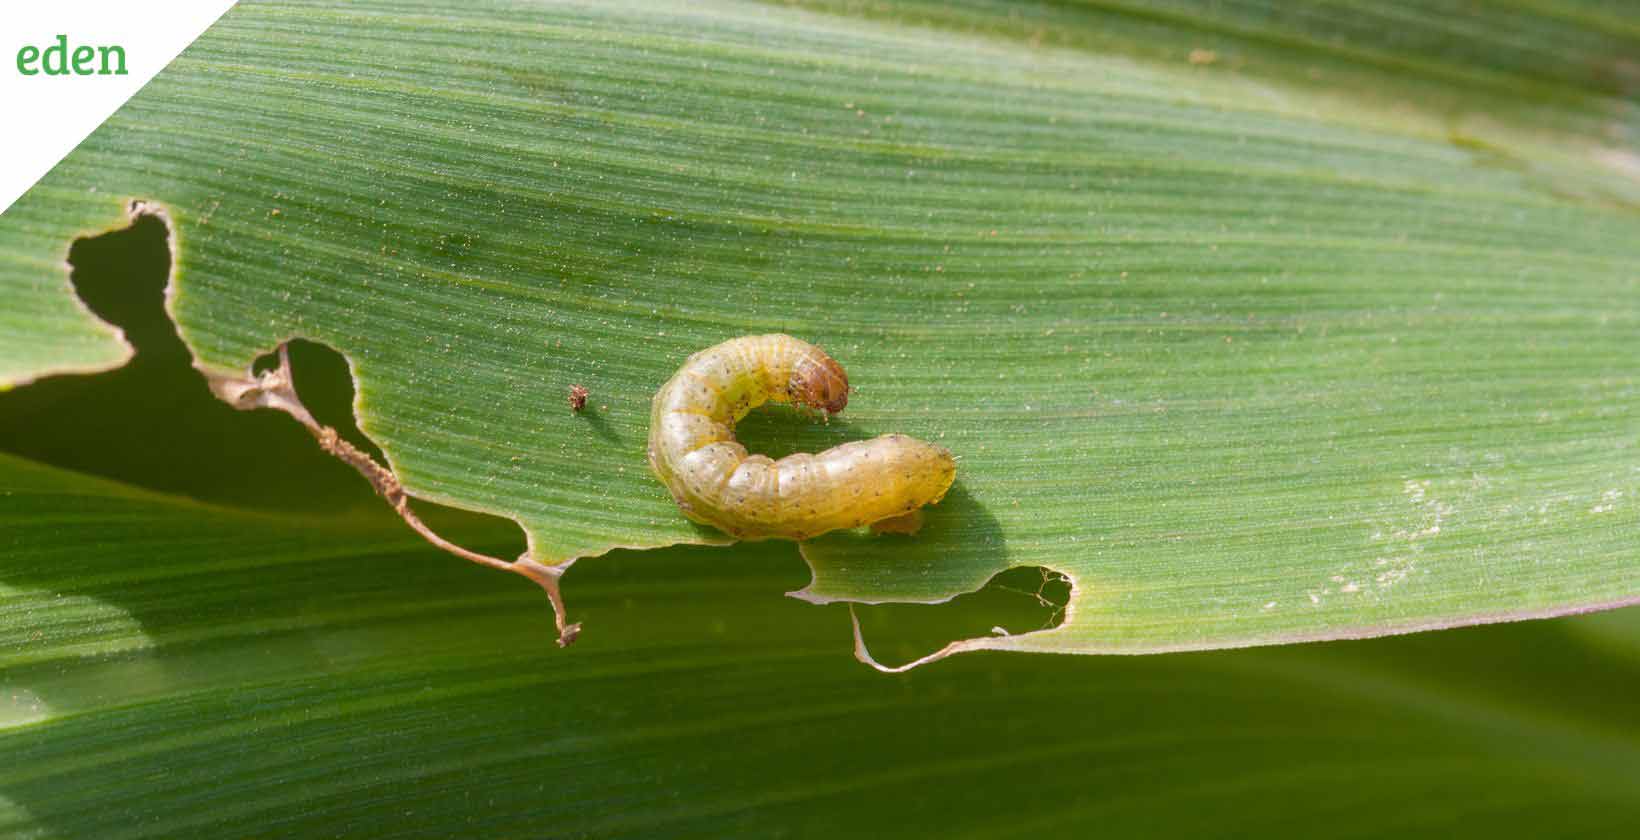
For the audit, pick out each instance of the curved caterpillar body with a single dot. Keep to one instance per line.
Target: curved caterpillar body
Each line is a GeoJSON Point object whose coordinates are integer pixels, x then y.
{"type": "Point", "coordinates": [693, 450]}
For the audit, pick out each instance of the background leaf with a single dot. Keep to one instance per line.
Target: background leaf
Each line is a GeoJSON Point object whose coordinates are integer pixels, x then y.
{"type": "Point", "coordinates": [191, 670]}
{"type": "Point", "coordinates": [1251, 354]}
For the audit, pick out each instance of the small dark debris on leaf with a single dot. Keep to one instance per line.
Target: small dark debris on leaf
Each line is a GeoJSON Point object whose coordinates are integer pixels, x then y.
{"type": "Point", "coordinates": [578, 397]}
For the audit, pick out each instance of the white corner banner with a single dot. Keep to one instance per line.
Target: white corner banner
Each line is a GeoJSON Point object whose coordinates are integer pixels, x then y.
{"type": "Point", "coordinates": [66, 65]}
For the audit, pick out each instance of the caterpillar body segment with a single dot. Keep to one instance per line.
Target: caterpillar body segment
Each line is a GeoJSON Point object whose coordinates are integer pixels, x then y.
{"type": "Point", "coordinates": [692, 447]}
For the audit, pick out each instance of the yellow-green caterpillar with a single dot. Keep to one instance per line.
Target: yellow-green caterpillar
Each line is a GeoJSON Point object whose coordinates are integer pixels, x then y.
{"type": "Point", "coordinates": [693, 450]}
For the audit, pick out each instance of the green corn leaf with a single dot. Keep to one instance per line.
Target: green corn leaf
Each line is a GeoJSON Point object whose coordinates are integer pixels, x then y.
{"type": "Point", "coordinates": [1257, 325]}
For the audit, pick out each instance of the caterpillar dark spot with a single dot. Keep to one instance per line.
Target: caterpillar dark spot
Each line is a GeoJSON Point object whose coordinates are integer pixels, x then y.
{"type": "Point", "coordinates": [692, 447]}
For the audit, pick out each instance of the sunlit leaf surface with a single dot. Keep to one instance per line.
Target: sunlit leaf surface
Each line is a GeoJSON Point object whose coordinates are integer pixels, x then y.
{"type": "Point", "coordinates": [1258, 326]}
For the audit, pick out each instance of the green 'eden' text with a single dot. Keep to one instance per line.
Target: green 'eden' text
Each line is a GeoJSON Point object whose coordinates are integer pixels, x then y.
{"type": "Point", "coordinates": [56, 60]}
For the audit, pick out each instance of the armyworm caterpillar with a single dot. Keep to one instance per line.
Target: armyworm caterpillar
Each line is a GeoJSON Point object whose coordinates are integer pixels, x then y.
{"type": "Point", "coordinates": [693, 450]}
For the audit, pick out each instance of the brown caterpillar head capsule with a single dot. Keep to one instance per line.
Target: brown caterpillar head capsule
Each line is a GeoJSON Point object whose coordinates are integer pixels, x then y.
{"type": "Point", "coordinates": [818, 381]}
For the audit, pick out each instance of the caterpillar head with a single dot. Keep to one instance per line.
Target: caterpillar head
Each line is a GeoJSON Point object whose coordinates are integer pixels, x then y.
{"type": "Point", "coordinates": [818, 381]}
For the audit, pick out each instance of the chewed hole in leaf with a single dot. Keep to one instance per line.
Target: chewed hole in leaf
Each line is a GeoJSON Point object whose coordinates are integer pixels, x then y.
{"type": "Point", "coordinates": [153, 423]}
{"type": "Point", "coordinates": [120, 276]}
{"type": "Point", "coordinates": [323, 380]}
{"type": "Point", "coordinates": [1020, 600]}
